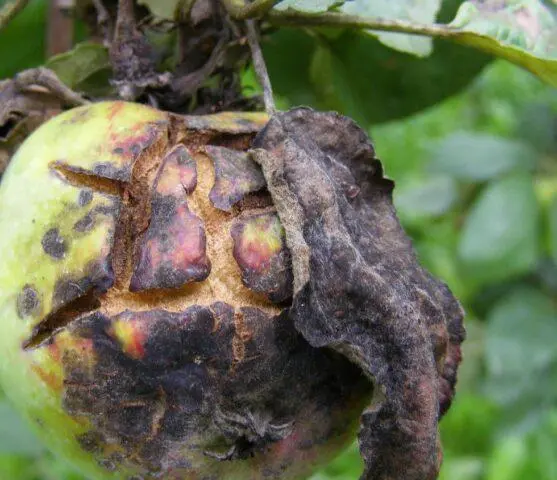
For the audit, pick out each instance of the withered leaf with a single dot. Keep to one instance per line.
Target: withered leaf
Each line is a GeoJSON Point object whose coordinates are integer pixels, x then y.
{"type": "Point", "coordinates": [358, 287]}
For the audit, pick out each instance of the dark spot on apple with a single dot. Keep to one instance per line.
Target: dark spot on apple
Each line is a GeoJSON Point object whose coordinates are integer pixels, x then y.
{"type": "Point", "coordinates": [108, 465]}
{"type": "Point", "coordinates": [54, 244]}
{"type": "Point", "coordinates": [135, 149]}
{"type": "Point", "coordinates": [85, 197]}
{"type": "Point", "coordinates": [27, 302]}
{"type": "Point", "coordinates": [97, 276]}
{"type": "Point", "coordinates": [85, 223]}
{"type": "Point", "coordinates": [91, 441]}
{"type": "Point", "coordinates": [109, 171]}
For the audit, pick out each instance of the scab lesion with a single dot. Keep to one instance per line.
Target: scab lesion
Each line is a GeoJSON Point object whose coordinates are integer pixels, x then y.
{"type": "Point", "coordinates": [85, 197]}
{"type": "Point", "coordinates": [262, 255]}
{"type": "Point", "coordinates": [236, 175]}
{"type": "Point", "coordinates": [173, 249]}
{"type": "Point", "coordinates": [28, 302]}
{"type": "Point", "coordinates": [54, 245]}
{"type": "Point", "coordinates": [250, 433]}
{"type": "Point", "coordinates": [178, 173]}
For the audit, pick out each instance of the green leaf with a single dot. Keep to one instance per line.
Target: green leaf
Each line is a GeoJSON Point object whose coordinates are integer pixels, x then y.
{"type": "Point", "coordinates": [15, 436]}
{"type": "Point", "coordinates": [22, 42]}
{"type": "Point", "coordinates": [477, 156]}
{"type": "Point", "coordinates": [461, 468]}
{"type": "Point", "coordinates": [347, 465]}
{"type": "Point", "coordinates": [521, 359]}
{"type": "Point", "coordinates": [429, 197]}
{"type": "Point", "coordinates": [418, 11]}
{"type": "Point", "coordinates": [522, 31]}
{"type": "Point", "coordinates": [537, 124]}
{"type": "Point", "coordinates": [361, 78]}
{"type": "Point", "coordinates": [552, 222]}
{"type": "Point", "coordinates": [478, 417]}
{"type": "Point", "coordinates": [521, 334]}
{"type": "Point", "coordinates": [349, 71]}
{"type": "Point", "coordinates": [508, 459]}
{"type": "Point", "coordinates": [85, 68]}
{"type": "Point", "coordinates": [290, 72]}
{"type": "Point", "coordinates": [161, 8]}
{"type": "Point", "coordinates": [500, 236]}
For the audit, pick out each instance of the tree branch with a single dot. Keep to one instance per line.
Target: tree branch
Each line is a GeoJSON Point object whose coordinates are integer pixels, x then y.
{"type": "Point", "coordinates": [183, 10]}
{"type": "Point", "coordinates": [46, 78]}
{"type": "Point", "coordinates": [334, 19]}
{"type": "Point", "coordinates": [260, 67]}
{"type": "Point", "coordinates": [240, 10]}
{"type": "Point", "coordinates": [10, 10]}
{"type": "Point", "coordinates": [59, 28]}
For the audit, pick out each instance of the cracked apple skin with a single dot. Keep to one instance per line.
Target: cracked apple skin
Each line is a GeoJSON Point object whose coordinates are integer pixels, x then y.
{"type": "Point", "coordinates": [144, 281]}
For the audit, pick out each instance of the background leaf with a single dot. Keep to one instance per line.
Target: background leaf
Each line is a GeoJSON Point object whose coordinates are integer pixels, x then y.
{"type": "Point", "coordinates": [353, 73]}
{"type": "Point", "coordinates": [479, 156]}
{"type": "Point", "coordinates": [22, 42]}
{"type": "Point", "coordinates": [418, 11]}
{"type": "Point", "coordinates": [15, 436]}
{"type": "Point", "coordinates": [500, 236]}
{"type": "Point", "coordinates": [524, 32]}
{"type": "Point", "coordinates": [552, 222]}
{"type": "Point", "coordinates": [521, 31]}
{"type": "Point", "coordinates": [433, 196]}
{"type": "Point", "coordinates": [521, 358]}
{"type": "Point", "coordinates": [86, 68]}
{"type": "Point", "coordinates": [161, 8]}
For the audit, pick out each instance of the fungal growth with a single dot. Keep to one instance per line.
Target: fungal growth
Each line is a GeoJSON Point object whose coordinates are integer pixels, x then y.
{"type": "Point", "coordinates": [219, 297]}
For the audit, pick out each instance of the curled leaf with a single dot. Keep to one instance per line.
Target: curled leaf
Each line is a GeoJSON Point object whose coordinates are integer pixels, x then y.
{"type": "Point", "coordinates": [358, 287]}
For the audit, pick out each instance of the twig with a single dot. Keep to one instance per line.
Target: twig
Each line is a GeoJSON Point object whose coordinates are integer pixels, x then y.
{"type": "Point", "coordinates": [46, 78]}
{"type": "Point", "coordinates": [334, 19]}
{"type": "Point", "coordinates": [183, 10]}
{"type": "Point", "coordinates": [188, 84]}
{"type": "Point", "coordinates": [103, 21]}
{"type": "Point", "coordinates": [260, 67]}
{"type": "Point", "coordinates": [125, 20]}
{"type": "Point", "coordinates": [240, 10]}
{"type": "Point", "coordinates": [59, 28]}
{"type": "Point", "coordinates": [132, 56]}
{"type": "Point", "coordinates": [10, 10]}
